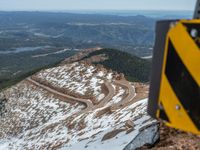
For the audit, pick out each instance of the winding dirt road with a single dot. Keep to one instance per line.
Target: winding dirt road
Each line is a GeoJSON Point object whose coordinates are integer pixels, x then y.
{"type": "Point", "coordinates": [86, 102]}
{"type": "Point", "coordinates": [130, 90]}
{"type": "Point", "coordinates": [109, 96]}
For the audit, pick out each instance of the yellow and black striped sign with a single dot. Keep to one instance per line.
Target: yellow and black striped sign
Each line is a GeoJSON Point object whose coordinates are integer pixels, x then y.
{"type": "Point", "coordinates": [179, 87]}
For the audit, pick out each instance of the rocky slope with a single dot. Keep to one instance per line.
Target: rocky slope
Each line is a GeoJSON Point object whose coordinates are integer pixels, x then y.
{"type": "Point", "coordinates": [76, 105]}
{"type": "Point", "coordinates": [173, 139]}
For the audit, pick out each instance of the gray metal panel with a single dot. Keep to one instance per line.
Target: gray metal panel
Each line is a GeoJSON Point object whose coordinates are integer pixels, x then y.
{"type": "Point", "coordinates": [197, 10]}
{"type": "Point", "coordinates": [162, 28]}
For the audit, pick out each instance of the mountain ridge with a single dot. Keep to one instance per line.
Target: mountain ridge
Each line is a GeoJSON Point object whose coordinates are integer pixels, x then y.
{"type": "Point", "coordinates": [133, 67]}
{"type": "Point", "coordinates": [76, 105]}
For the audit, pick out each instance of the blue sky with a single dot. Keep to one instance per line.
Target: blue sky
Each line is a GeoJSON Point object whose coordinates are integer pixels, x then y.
{"type": "Point", "coordinates": [97, 4]}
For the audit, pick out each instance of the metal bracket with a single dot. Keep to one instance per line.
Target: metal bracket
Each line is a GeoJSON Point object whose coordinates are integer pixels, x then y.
{"type": "Point", "coordinates": [197, 10]}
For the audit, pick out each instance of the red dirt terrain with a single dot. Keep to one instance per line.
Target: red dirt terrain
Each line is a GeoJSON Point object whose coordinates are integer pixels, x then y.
{"type": "Point", "coordinates": [173, 139]}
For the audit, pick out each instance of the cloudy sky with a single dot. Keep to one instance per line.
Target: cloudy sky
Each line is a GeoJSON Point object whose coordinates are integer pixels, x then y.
{"type": "Point", "coordinates": [97, 4]}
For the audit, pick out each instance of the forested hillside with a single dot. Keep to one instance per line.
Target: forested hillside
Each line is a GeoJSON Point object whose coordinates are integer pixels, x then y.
{"type": "Point", "coordinates": [134, 68]}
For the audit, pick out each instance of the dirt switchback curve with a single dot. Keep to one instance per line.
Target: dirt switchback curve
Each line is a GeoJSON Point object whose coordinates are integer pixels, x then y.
{"type": "Point", "coordinates": [131, 90]}
{"type": "Point", "coordinates": [88, 103]}
{"type": "Point", "coordinates": [68, 98]}
{"type": "Point", "coordinates": [111, 92]}
{"type": "Point", "coordinates": [130, 98]}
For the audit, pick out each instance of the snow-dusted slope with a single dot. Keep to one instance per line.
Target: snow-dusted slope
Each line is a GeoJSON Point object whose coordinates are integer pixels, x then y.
{"type": "Point", "coordinates": [78, 78]}
{"type": "Point", "coordinates": [74, 106]}
{"type": "Point", "coordinates": [111, 124]}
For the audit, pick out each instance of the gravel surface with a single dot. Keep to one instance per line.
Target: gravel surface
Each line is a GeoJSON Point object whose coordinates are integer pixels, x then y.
{"type": "Point", "coordinates": [172, 139]}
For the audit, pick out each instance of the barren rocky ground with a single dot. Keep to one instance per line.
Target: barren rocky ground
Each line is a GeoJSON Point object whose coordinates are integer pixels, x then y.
{"type": "Point", "coordinates": [173, 139]}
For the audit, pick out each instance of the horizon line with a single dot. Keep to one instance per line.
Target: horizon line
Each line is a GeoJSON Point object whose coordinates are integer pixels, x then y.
{"type": "Point", "coordinates": [55, 10]}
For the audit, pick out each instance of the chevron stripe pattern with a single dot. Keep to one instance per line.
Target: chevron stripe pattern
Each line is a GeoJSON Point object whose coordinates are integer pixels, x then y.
{"type": "Point", "coordinates": [179, 98]}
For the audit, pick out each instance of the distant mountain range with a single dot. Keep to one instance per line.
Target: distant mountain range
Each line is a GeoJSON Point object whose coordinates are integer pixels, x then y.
{"type": "Point", "coordinates": [123, 30]}
{"type": "Point", "coordinates": [28, 29]}
{"type": "Point", "coordinates": [159, 14]}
